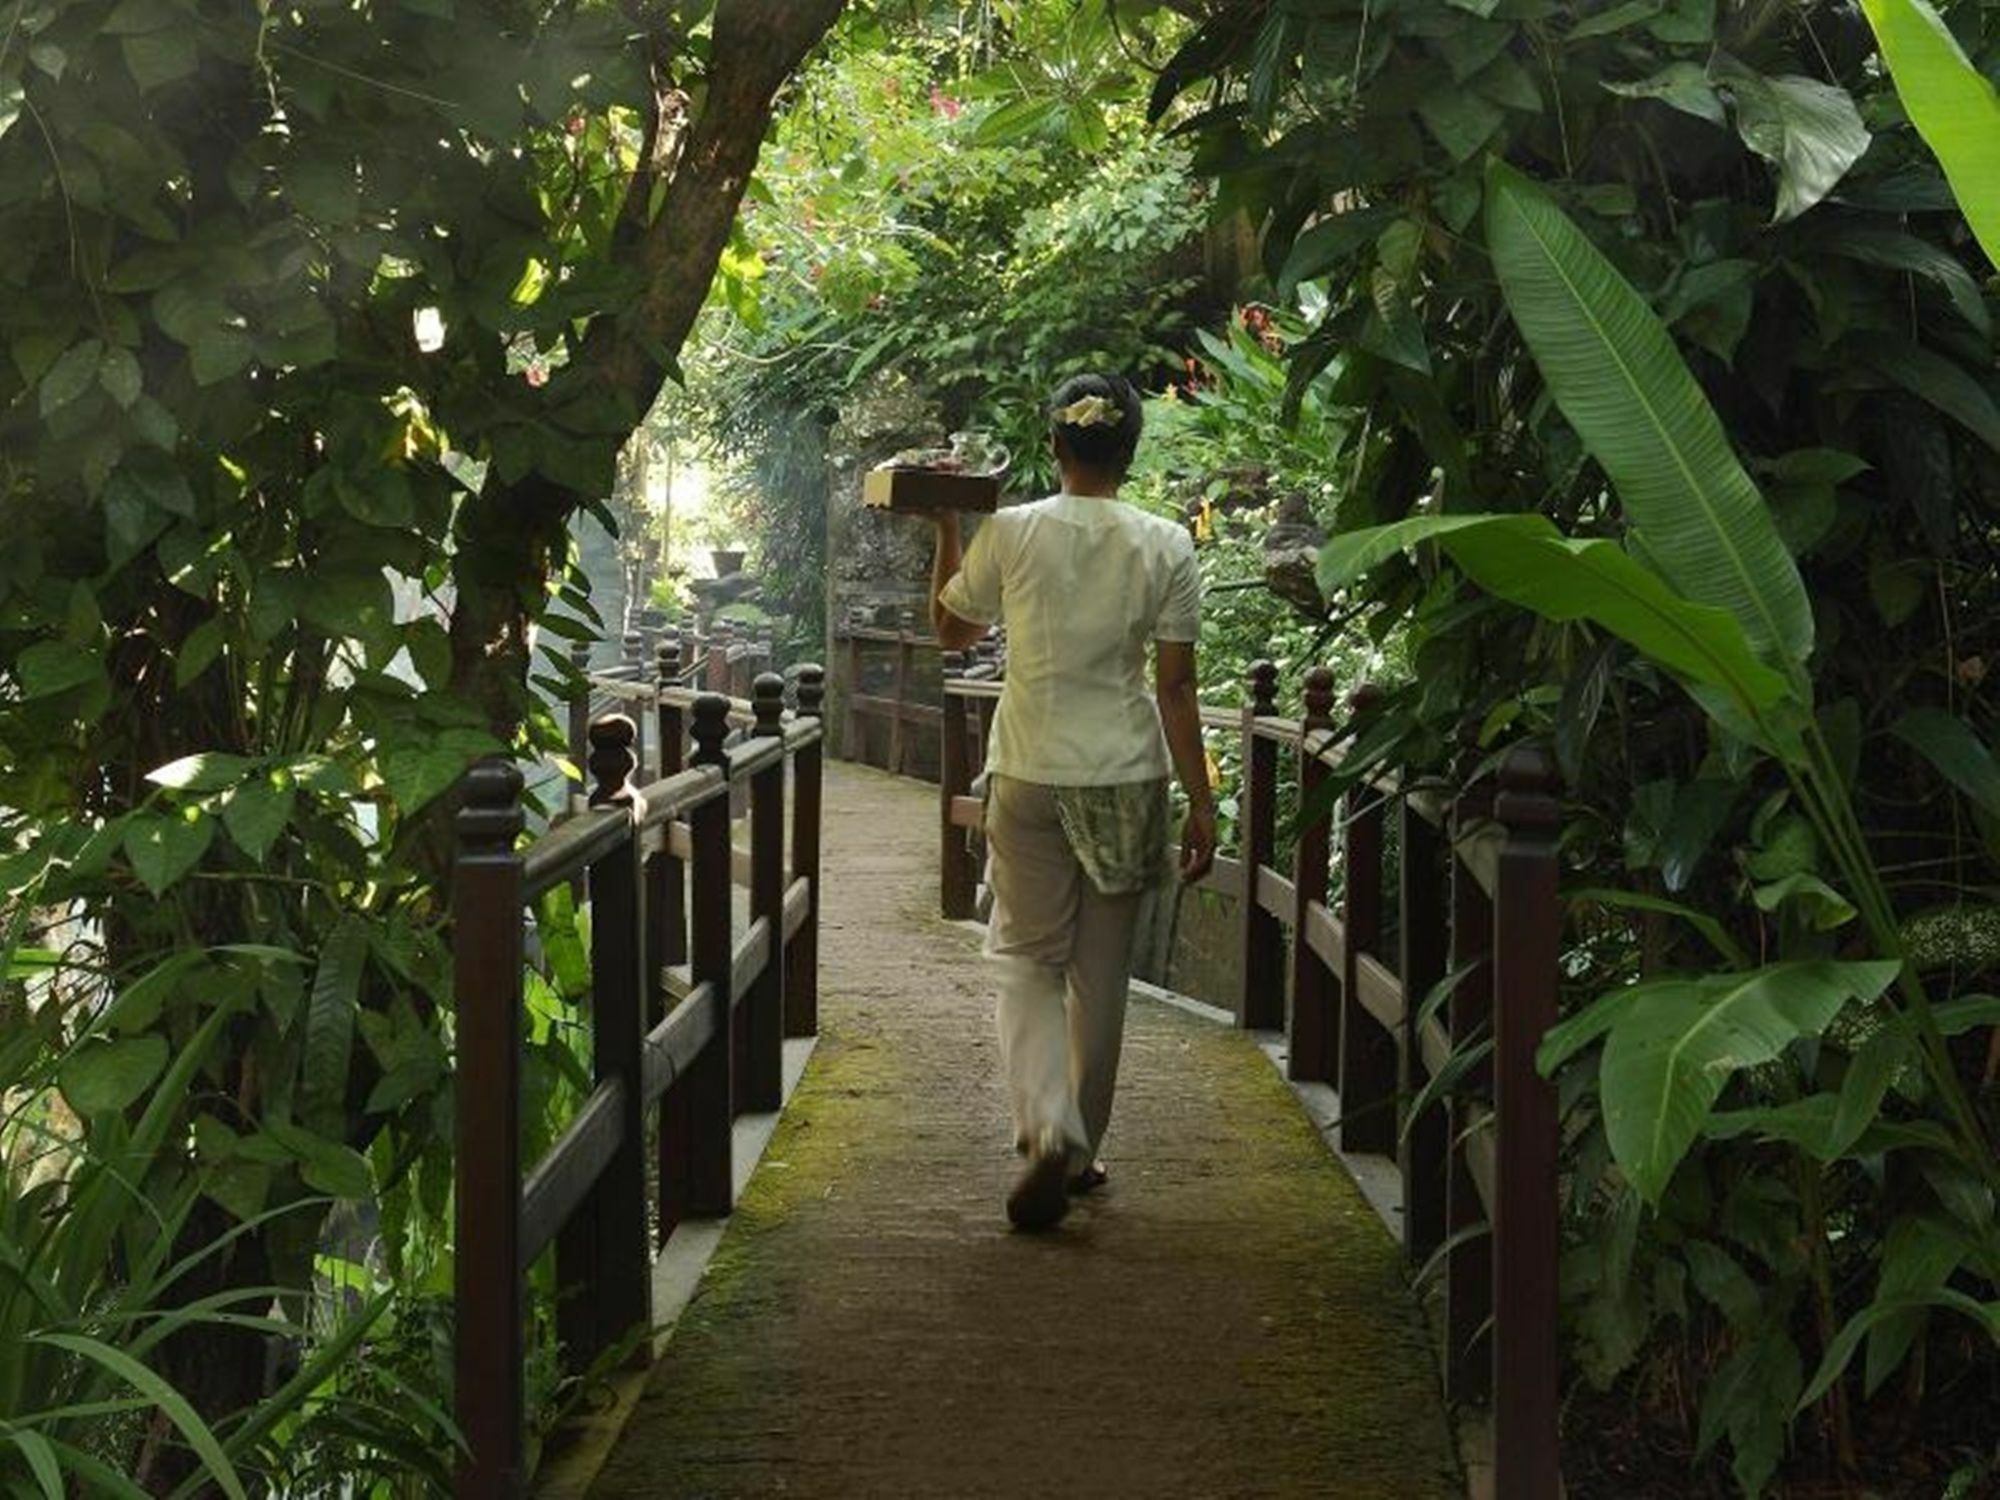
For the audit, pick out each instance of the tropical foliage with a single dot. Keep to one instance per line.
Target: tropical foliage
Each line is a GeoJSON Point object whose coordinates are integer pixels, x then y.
{"type": "Point", "coordinates": [922, 223]}
{"type": "Point", "coordinates": [1712, 406]}
{"type": "Point", "coordinates": [321, 323]}
{"type": "Point", "coordinates": [1636, 356]}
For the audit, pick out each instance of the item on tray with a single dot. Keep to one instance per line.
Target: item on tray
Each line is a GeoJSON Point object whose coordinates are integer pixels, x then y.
{"type": "Point", "coordinates": [965, 476]}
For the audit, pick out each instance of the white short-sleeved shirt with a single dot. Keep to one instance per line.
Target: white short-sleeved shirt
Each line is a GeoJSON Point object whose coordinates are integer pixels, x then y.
{"type": "Point", "coordinates": [1085, 584]}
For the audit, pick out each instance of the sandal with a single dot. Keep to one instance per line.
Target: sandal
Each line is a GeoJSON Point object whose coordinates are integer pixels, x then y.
{"type": "Point", "coordinates": [1038, 1201]}
{"type": "Point", "coordinates": [1090, 1179]}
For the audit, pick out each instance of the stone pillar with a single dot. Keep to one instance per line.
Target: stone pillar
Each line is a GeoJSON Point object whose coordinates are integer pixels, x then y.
{"type": "Point", "coordinates": [876, 566]}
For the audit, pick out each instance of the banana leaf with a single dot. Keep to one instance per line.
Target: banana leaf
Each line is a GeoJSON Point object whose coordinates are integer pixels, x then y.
{"type": "Point", "coordinates": [1526, 561]}
{"type": "Point", "coordinates": [1612, 368]}
{"type": "Point", "coordinates": [1672, 1043]}
{"type": "Point", "coordinates": [1954, 108]}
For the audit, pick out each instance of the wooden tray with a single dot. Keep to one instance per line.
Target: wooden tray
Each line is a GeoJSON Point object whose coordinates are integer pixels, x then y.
{"type": "Point", "coordinates": [929, 489]}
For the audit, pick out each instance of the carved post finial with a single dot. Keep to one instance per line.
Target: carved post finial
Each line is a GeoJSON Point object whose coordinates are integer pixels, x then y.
{"type": "Point", "coordinates": [709, 729]}
{"type": "Point", "coordinates": [1527, 799]}
{"type": "Point", "coordinates": [1319, 698]}
{"type": "Point", "coordinates": [667, 658]}
{"type": "Point", "coordinates": [613, 759]}
{"type": "Point", "coordinates": [767, 697]}
{"type": "Point", "coordinates": [812, 690]}
{"type": "Point", "coordinates": [635, 647]}
{"type": "Point", "coordinates": [490, 819]}
{"type": "Point", "coordinates": [1263, 688]}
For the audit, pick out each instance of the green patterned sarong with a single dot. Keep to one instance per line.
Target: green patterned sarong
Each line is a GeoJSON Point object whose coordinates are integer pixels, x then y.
{"type": "Point", "coordinates": [1118, 833]}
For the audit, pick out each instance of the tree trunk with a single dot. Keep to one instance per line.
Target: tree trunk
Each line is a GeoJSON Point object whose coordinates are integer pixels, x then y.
{"type": "Point", "coordinates": [511, 536]}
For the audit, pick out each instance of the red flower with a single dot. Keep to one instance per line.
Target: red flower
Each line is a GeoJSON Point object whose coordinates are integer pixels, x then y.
{"type": "Point", "coordinates": [944, 104]}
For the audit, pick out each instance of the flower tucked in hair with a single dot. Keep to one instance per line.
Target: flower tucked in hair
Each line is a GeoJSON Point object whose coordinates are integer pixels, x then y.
{"type": "Point", "coordinates": [1089, 411]}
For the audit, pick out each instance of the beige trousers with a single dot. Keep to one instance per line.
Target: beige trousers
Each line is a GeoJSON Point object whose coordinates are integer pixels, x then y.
{"type": "Point", "coordinates": [1064, 950]}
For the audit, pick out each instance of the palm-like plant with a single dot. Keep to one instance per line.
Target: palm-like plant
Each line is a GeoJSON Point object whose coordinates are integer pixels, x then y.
{"type": "Point", "coordinates": [1701, 584]}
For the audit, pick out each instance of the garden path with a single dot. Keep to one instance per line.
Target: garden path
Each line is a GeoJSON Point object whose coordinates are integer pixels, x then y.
{"type": "Point", "coordinates": [1228, 1318]}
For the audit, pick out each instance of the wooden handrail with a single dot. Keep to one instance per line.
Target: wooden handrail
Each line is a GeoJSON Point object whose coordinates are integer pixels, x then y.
{"type": "Point", "coordinates": [570, 1169]}
{"type": "Point", "coordinates": [570, 848]}
{"type": "Point", "coordinates": [656, 900]}
{"type": "Point", "coordinates": [674, 797]}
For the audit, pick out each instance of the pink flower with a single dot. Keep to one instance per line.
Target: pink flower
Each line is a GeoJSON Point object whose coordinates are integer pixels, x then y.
{"type": "Point", "coordinates": [944, 104]}
{"type": "Point", "coordinates": [536, 375]}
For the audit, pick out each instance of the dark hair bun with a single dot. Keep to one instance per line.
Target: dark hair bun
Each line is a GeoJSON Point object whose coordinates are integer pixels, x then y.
{"type": "Point", "coordinates": [1109, 440]}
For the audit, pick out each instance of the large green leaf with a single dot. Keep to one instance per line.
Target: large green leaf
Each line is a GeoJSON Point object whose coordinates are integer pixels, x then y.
{"type": "Point", "coordinates": [1525, 560]}
{"type": "Point", "coordinates": [330, 1015]}
{"type": "Point", "coordinates": [164, 847]}
{"type": "Point", "coordinates": [1955, 109]}
{"type": "Point", "coordinates": [1900, 251]}
{"type": "Point", "coordinates": [50, 667]}
{"type": "Point", "coordinates": [1918, 1256]}
{"type": "Point", "coordinates": [209, 771]}
{"type": "Point", "coordinates": [1614, 371]}
{"type": "Point", "coordinates": [1750, 1399]}
{"type": "Point", "coordinates": [1810, 131]}
{"type": "Point", "coordinates": [1683, 85]}
{"type": "Point", "coordinates": [1942, 381]}
{"type": "Point", "coordinates": [257, 812]}
{"type": "Point", "coordinates": [104, 1076]}
{"type": "Point", "coordinates": [1675, 1042]}
{"type": "Point", "coordinates": [1841, 1350]}
{"type": "Point", "coordinates": [41, 1459]}
{"type": "Point", "coordinates": [220, 1471]}
{"type": "Point", "coordinates": [1960, 756]}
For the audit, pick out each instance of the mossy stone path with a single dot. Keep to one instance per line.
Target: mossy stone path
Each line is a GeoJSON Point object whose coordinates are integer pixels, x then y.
{"type": "Point", "coordinates": [1227, 1319]}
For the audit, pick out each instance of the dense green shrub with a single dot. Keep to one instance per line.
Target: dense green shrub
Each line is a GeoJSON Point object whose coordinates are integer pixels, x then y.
{"type": "Point", "coordinates": [1741, 177]}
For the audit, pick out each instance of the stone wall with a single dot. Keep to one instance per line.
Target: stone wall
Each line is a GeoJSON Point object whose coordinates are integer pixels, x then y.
{"type": "Point", "coordinates": [877, 566]}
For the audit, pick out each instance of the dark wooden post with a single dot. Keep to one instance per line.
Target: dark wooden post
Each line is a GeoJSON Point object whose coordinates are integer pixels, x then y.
{"type": "Point", "coordinates": [1367, 1048]}
{"type": "Point", "coordinates": [1468, 1286]}
{"type": "Point", "coordinates": [1425, 1137]}
{"type": "Point", "coordinates": [764, 1006]}
{"type": "Point", "coordinates": [808, 777]}
{"type": "Point", "coordinates": [710, 1082]}
{"type": "Point", "coordinates": [603, 1263]}
{"type": "Point", "coordinates": [958, 876]}
{"type": "Point", "coordinates": [1526, 1226]}
{"type": "Point", "coordinates": [898, 739]}
{"type": "Point", "coordinates": [666, 892]}
{"type": "Point", "coordinates": [1260, 1006]}
{"type": "Point", "coordinates": [1311, 1043]}
{"type": "Point", "coordinates": [716, 677]}
{"type": "Point", "coordinates": [850, 720]}
{"type": "Point", "coordinates": [487, 953]}
{"type": "Point", "coordinates": [579, 705]}
{"type": "Point", "coordinates": [635, 665]}
{"type": "Point", "coordinates": [672, 727]}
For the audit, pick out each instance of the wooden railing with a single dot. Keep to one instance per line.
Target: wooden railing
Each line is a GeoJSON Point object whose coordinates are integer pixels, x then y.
{"type": "Point", "coordinates": [686, 1013]}
{"type": "Point", "coordinates": [1472, 976]}
{"type": "Point", "coordinates": [723, 659]}
{"type": "Point", "coordinates": [911, 713]}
